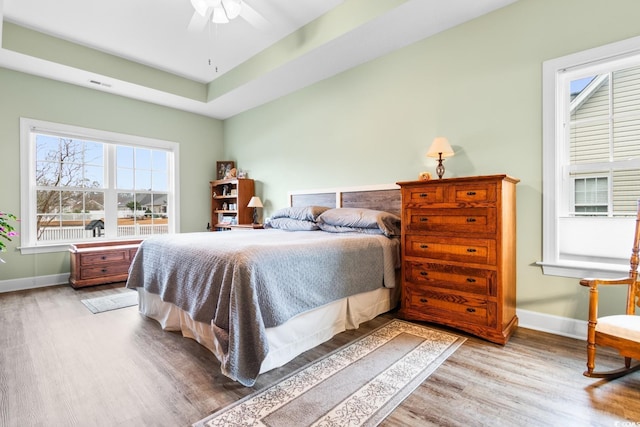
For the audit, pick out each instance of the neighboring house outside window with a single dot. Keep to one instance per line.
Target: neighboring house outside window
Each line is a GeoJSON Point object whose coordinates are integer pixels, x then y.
{"type": "Point", "coordinates": [591, 110]}
{"type": "Point", "coordinates": [89, 185]}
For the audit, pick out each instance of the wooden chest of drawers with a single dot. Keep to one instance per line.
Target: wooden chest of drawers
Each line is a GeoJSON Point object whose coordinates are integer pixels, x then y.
{"type": "Point", "coordinates": [458, 251]}
{"type": "Point", "coordinates": [100, 263]}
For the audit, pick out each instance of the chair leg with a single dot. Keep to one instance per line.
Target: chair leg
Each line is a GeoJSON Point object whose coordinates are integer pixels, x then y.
{"type": "Point", "coordinates": [611, 375]}
{"type": "Point", "coordinates": [591, 358]}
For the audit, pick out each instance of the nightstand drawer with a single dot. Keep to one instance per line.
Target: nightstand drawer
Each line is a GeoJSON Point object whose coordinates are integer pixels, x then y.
{"type": "Point", "coordinates": [469, 220]}
{"type": "Point", "coordinates": [450, 306]}
{"type": "Point", "coordinates": [479, 251]}
{"type": "Point", "coordinates": [105, 270]}
{"type": "Point", "coordinates": [426, 196]}
{"type": "Point", "coordinates": [463, 279]}
{"type": "Point", "coordinates": [105, 257]}
{"type": "Point", "coordinates": [469, 193]}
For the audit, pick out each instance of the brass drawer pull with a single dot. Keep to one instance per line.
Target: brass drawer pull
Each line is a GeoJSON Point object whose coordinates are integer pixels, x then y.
{"type": "Point", "coordinates": [471, 310]}
{"type": "Point", "coordinates": [423, 219]}
{"type": "Point", "coordinates": [471, 220]}
{"type": "Point", "coordinates": [471, 250]}
{"type": "Point", "coordinates": [470, 280]}
{"type": "Point", "coordinates": [424, 273]}
{"type": "Point", "coordinates": [471, 193]}
{"type": "Point", "coordinates": [424, 300]}
{"type": "Point", "coordinates": [423, 246]}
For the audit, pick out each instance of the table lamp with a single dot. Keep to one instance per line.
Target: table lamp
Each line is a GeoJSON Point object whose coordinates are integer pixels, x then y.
{"type": "Point", "coordinates": [255, 203]}
{"type": "Point", "coordinates": [439, 149]}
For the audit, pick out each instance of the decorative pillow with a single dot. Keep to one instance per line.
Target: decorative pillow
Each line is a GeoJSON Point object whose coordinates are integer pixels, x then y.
{"type": "Point", "coordinates": [291, 224]}
{"type": "Point", "coordinates": [359, 220]}
{"type": "Point", "coordinates": [304, 213]}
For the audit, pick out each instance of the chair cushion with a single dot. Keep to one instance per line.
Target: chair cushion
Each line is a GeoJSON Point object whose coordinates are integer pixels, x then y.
{"type": "Point", "coordinates": [623, 326]}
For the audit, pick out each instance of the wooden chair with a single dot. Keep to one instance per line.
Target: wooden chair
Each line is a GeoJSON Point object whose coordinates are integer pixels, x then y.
{"type": "Point", "coordinates": [621, 332]}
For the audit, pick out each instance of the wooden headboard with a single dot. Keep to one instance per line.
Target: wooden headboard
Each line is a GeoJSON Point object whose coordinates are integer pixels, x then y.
{"type": "Point", "coordinates": [384, 197]}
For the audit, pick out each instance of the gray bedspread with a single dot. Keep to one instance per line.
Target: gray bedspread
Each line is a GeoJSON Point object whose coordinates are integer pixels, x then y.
{"type": "Point", "coordinates": [244, 282]}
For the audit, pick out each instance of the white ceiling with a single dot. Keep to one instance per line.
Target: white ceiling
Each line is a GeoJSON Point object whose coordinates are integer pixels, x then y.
{"type": "Point", "coordinates": [155, 33]}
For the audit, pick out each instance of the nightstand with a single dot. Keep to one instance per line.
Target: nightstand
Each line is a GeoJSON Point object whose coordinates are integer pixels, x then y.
{"type": "Point", "coordinates": [245, 227]}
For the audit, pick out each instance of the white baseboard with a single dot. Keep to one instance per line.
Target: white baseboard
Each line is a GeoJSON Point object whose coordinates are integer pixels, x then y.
{"type": "Point", "coordinates": [564, 326]}
{"type": "Point", "coordinates": [33, 282]}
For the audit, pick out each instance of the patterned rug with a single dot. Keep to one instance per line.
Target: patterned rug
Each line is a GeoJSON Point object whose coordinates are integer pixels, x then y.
{"type": "Point", "coordinates": [111, 302]}
{"type": "Point", "coordinates": [356, 385]}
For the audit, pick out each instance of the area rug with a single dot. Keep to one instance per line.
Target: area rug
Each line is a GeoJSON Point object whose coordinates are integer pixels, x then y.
{"type": "Point", "coordinates": [111, 302]}
{"type": "Point", "coordinates": [356, 385]}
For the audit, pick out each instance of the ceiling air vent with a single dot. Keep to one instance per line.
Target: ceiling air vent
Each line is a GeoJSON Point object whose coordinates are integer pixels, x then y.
{"type": "Point", "coordinates": [96, 82]}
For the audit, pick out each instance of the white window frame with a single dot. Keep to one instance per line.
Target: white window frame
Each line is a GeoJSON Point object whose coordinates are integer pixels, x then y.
{"type": "Point", "coordinates": [28, 234]}
{"type": "Point", "coordinates": [555, 112]}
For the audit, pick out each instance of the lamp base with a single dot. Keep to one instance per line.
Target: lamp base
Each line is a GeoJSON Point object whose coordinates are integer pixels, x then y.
{"type": "Point", "coordinates": [440, 167]}
{"type": "Point", "coordinates": [255, 215]}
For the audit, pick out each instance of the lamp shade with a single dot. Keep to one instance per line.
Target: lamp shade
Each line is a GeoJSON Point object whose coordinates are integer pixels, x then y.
{"type": "Point", "coordinates": [440, 147]}
{"type": "Point", "coordinates": [255, 202]}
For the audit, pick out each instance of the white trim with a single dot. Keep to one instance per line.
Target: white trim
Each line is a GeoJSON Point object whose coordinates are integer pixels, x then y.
{"type": "Point", "coordinates": [33, 282]}
{"type": "Point", "coordinates": [556, 325]}
{"type": "Point", "coordinates": [553, 73]}
{"type": "Point", "coordinates": [580, 270]}
{"type": "Point", "coordinates": [27, 173]}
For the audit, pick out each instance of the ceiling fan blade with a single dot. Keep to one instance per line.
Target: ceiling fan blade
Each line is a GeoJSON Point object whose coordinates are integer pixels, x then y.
{"type": "Point", "coordinates": [250, 15]}
{"type": "Point", "coordinates": [198, 22]}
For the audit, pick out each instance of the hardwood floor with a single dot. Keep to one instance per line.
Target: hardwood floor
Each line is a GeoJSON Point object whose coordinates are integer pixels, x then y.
{"type": "Point", "coordinates": [61, 365]}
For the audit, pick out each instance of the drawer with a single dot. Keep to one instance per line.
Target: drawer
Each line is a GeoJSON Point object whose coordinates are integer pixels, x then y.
{"type": "Point", "coordinates": [462, 220]}
{"type": "Point", "coordinates": [425, 196]}
{"type": "Point", "coordinates": [479, 251]}
{"type": "Point", "coordinates": [463, 279]}
{"type": "Point", "coordinates": [468, 193]}
{"type": "Point", "coordinates": [105, 257]}
{"type": "Point", "coordinates": [452, 307]}
{"type": "Point", "coordinates": [104, 271]}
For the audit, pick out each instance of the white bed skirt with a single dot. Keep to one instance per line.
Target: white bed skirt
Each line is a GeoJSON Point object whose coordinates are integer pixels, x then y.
{"type": "Point", "coordinates": [299, 334]}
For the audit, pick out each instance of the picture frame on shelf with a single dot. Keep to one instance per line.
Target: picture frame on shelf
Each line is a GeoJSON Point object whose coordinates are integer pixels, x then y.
{"type": "Point", "coordinates": [223, 168]}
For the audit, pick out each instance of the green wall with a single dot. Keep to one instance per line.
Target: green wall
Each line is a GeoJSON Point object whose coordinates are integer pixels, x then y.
{"type": "Point", "coordinates": [479, 84]}
{"type": "Point", "coordinates": [23, 95]}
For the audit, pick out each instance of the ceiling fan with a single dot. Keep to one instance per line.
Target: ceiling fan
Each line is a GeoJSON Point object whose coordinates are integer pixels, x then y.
{"type": "Point", "coordinates": [223, 11]}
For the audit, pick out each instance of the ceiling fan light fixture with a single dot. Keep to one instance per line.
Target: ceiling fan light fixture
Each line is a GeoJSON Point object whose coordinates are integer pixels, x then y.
{"type": "Point", "coordinates": [232, 8]}
{"type": "Point", "coordinates": [200, 6]}
{"type": "Point", "coordinates": [219, 16]}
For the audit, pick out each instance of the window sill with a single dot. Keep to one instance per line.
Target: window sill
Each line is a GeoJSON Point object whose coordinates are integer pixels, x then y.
{"type": "Point", "coordinates": [580, 270]}
{"type": "Point", "coordinates": [63, 247]}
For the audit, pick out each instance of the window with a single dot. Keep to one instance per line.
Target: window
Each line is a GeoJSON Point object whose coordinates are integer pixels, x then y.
{"type": "Point", "coordinates": [591, 196]}
{"type": "Point", "coordinates": [591, 155]}
{"type": "Point", "coordinates": [88, 185]}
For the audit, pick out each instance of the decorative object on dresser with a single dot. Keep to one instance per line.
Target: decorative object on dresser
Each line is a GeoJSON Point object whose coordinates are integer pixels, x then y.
{"type": "Point", "coordinates": [229, 202]}
{"type": "Point", "coordinates": [459, 254]}
{"type": "Point", "coordinates": [98, 263]}
{"type": "Point", "coordinates": [440, 148]}
{"type": "Point", "coordinates": [255, 203]}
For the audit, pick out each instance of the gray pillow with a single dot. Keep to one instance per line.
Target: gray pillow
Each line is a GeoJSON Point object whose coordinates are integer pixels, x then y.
{"type": "Point", "coordinates": [359, 220]}
{"type": "Point", "coordinates": [291, 224]}
{"type": "Point", "coordinates": [304, 213]}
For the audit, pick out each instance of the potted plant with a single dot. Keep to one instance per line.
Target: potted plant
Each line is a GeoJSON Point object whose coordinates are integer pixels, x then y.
{"type": "Point", "coordinates": [7, 231]}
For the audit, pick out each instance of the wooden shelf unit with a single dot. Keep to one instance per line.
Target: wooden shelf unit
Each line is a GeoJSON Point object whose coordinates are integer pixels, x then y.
{"type": "Point", "coordinates": [231, 193]}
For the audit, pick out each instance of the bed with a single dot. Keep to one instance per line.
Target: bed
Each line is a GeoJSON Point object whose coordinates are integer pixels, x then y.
{"type": "Point", "coordinates": [258, 299]}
